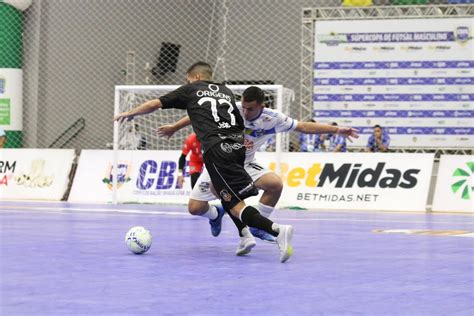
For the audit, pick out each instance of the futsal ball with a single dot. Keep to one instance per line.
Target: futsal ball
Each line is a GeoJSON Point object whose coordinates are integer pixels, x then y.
{"type": "Point", "coordinates": [138, 239]}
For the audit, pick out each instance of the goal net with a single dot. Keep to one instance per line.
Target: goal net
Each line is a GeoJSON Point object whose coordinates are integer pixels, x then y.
{"type": "Point", "coordinates": [140, 133]}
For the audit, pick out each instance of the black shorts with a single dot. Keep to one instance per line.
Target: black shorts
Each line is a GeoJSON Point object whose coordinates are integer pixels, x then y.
{"type": "Point", "coordinates": [225, 164]}
{"type": "Point", "coordinates": [194, 178]}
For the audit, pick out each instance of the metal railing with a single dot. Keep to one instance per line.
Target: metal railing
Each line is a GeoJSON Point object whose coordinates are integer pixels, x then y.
{"type": "Point", "coordinates": [69, 134]}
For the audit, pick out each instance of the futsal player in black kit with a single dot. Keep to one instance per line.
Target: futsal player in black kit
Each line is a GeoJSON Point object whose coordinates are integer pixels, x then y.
{"type": "Point", "coordinates": [219, 127]}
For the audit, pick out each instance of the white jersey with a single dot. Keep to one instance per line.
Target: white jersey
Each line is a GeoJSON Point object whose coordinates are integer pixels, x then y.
{"type": "Point", "coordinates": [263, 127]}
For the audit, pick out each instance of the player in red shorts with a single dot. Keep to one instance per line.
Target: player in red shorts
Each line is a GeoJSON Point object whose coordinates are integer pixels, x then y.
{"type": "Point", "coordinates": [191, 145]}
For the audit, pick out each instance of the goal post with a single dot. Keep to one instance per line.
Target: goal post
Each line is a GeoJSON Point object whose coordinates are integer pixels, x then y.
{"type": "Point", "coordinates": [140, 133]}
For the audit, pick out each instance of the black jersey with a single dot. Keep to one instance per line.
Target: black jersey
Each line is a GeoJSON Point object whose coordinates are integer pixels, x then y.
{"type": "Point", "coordinates": [211, 108]}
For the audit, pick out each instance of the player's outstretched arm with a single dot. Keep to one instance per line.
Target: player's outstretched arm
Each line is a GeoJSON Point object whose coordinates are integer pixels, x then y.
{"type": "Point", "coordinates": [169, 130]}
{"type": "Point", "coordinates": [315, 128]}
{"type": "Point", "coordinates": [145, 108]}
{"type": "Point", "coordinates": [319, 128]}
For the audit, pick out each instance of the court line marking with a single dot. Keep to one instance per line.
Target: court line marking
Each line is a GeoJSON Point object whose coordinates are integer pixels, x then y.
{"type": "Point", "coordinates": [77, 210]}
{"type": "Point", "coordinates": [52, 210]}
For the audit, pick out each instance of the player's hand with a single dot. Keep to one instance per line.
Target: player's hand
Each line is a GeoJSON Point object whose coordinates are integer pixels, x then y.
{"type": "Point", "coordinates": [124, 117]}
{"type": "Point", "coordinates": [348, 132]}
{"type": "Point", "coordinates": [180, 182]}
{"type": "Point", "coordinates": [166, 131]}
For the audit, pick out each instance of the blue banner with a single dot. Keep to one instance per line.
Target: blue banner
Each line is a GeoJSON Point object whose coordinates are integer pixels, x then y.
{"type": "Point", "coordinates": [396, 64]}
{"type": "Point", "coordinates": [393, 81]}
{"type": "Point", "coordinates": [420, 130]}
{"type": "Point", "coordinates": [455, 97]}
{"type": "Point", "coordinates": [393, 113]}
{"type": "Point", "coordinates": [400, 37]}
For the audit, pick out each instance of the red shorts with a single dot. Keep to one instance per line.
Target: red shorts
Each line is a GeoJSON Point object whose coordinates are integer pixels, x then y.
{"type": "Point", "coordinates": [195, 167]}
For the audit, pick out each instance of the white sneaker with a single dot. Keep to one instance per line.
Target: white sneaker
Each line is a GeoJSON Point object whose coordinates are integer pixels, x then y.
{"type": "Point", "coordinates": [284, 242]}
{"type": "Point", "coordinates": [247, 242]}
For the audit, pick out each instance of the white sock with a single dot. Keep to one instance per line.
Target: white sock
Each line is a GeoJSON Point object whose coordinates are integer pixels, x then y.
{"type": "Point", "coordinates": [265, 210]}
{"type": "Point", "coordinates": [211, 212]}
{"type": "Point", "coordinates": [276, 227]}
{"type": "Point", "coordinates": [246, 232]}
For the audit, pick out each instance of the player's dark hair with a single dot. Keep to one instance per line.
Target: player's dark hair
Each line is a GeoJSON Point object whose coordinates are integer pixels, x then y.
{"type": "Point", "coordinates": [377, 126]}
{"type": "Point", "coordinates": [334, 124]}
{"type": "Point", "coordinates": [253, 94]}
{"type": "Point", "coordinates": [202, 68]}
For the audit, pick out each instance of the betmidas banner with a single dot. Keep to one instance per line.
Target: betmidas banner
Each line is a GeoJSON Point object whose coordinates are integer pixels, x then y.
{"type": "Point", "coordinates": [354, 181]}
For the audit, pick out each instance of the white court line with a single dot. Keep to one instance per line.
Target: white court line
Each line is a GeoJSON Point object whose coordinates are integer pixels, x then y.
{"type": "Point", "coordinates": [467, 235]}
{"type": "Point", "coordinates": [52, 210]}
{"type": "Point", "coordinates": [370, 221]}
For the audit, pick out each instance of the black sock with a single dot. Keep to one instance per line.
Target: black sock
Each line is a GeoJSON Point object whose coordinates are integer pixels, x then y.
{"type": "Point", "coordinates": [238, 224]}
{"type": "Point", "coordinates": [253, 218]}
{"type": "Point", "coordinates": [236, 221]}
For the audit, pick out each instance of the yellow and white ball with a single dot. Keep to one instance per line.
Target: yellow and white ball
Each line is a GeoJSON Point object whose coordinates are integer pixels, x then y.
{"type": "Point", "coordinates": [138, 239]}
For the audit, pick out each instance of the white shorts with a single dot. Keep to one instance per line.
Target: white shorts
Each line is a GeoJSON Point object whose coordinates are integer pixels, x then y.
{"type": "Point", "coordinates": [203, 189]}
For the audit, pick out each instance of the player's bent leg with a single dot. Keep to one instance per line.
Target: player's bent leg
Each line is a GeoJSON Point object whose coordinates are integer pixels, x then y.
{"type": "Point", "coordinates": [266, 211]}
{"type": "Point", "coordinates": [200, 208]}
{"type": "Point", "coordinates": [233, 184]}
{"type": "Point", "coordinates": [214, 213]}
{"type": "Point", "coordinates": [272, 186]}
{"type": "Point", "coordinates": [198, 203]}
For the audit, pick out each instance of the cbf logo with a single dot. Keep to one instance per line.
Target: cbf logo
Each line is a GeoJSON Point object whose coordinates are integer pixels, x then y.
{"type": "Point", "coordinates": [123, 175]}
{"type": "Point", "coordinates": [463, 181]}
{"type": "Point", "coordinates": [462, 34]}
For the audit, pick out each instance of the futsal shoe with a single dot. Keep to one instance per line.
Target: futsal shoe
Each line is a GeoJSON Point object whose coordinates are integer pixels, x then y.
{"type": "Point", "coordinates": [216, 224]}
{"type": "Point", "coordinates": [247, 242]}
{"type": "Point", "coordinates": [263, 235]}
{"type": "Point", "coordinates": [284, 242]}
